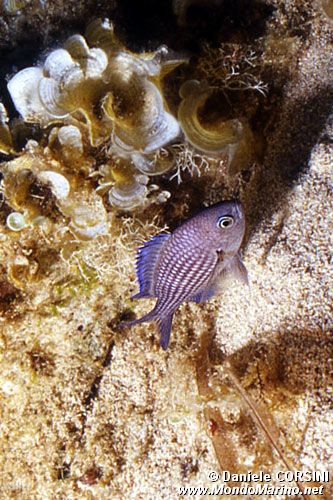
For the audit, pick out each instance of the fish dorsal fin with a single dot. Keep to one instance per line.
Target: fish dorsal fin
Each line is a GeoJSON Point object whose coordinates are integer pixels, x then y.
{"type": "Point", "coordinates": [147, 259]}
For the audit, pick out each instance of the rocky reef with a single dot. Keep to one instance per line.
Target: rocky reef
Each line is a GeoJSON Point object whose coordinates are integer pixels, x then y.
{"type": "Point", "coordinates": [116, 123]}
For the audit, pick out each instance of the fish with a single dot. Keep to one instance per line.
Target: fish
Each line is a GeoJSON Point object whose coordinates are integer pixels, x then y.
{"type": "Point", "coordinates": [189, 264]}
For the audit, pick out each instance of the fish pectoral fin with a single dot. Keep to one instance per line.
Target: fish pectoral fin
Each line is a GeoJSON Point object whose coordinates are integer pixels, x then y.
{"type": "Point", "coordinates": [164, 327]}
{"type": "Point", "coordinates": [203, 295]}
{"type": "Point", "coordinates": [238, 271]}
{"type": "Point", "coordinates": [220, 280]}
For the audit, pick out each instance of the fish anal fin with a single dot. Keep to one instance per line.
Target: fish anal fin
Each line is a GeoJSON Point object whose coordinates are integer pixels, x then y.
{"type": "Point", "coordinates": [147, 258]}
{"type": "Point", "coordinates": [147, 317]}
{"type": "Point", "coordinates": [164, 327]}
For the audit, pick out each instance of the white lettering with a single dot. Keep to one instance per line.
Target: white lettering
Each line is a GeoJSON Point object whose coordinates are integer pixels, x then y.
{"type": "Point", "coordinates": [280, 475]}
{"type": "Point", "coordinates": [225, 476]}
{"type": "Point", "coordinates": [321, 476]}
{"type": "Point", "coordinates": [289, 476]}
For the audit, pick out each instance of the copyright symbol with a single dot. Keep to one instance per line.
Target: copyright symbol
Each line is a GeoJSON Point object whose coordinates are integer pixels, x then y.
{"type": "Point", "coordinates": [213, 476]}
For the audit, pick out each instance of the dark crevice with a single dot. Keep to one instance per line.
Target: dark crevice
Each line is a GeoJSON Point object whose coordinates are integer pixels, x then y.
{"type": "Point", "coordinates": [146, 24]}
{"type": "Point", "coordinates": [95, 386]}
{"type": "Point", "coordinates": [64, 471]}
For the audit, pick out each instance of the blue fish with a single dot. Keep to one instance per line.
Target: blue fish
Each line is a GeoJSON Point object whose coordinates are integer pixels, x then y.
{"type": "Point", "coordinates": [190, 263]}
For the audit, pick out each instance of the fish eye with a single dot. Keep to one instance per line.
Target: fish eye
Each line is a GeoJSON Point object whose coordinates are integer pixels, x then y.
{"type": "Point", "coordinates": [225, 221]}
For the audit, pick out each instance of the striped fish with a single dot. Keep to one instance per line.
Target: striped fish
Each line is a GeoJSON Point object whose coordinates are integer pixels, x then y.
{"type": "Point", "coordinates": [189, 264]}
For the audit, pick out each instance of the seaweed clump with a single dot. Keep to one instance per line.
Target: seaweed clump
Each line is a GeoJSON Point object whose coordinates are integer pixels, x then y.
{"type": "Point", "coordinates": [106, 99]}
{"type": "Point", "coordinates": [93, 98]}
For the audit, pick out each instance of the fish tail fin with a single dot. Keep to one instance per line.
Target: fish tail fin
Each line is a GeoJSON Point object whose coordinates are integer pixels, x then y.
{"type": "Point", "coordinates": [164, 326]}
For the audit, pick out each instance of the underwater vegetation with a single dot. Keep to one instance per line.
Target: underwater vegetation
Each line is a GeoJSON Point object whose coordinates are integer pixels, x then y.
{"type": "Point", "coordinates": [6, 146]}
{"type": "Point", "coordinates": [92, 98]}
